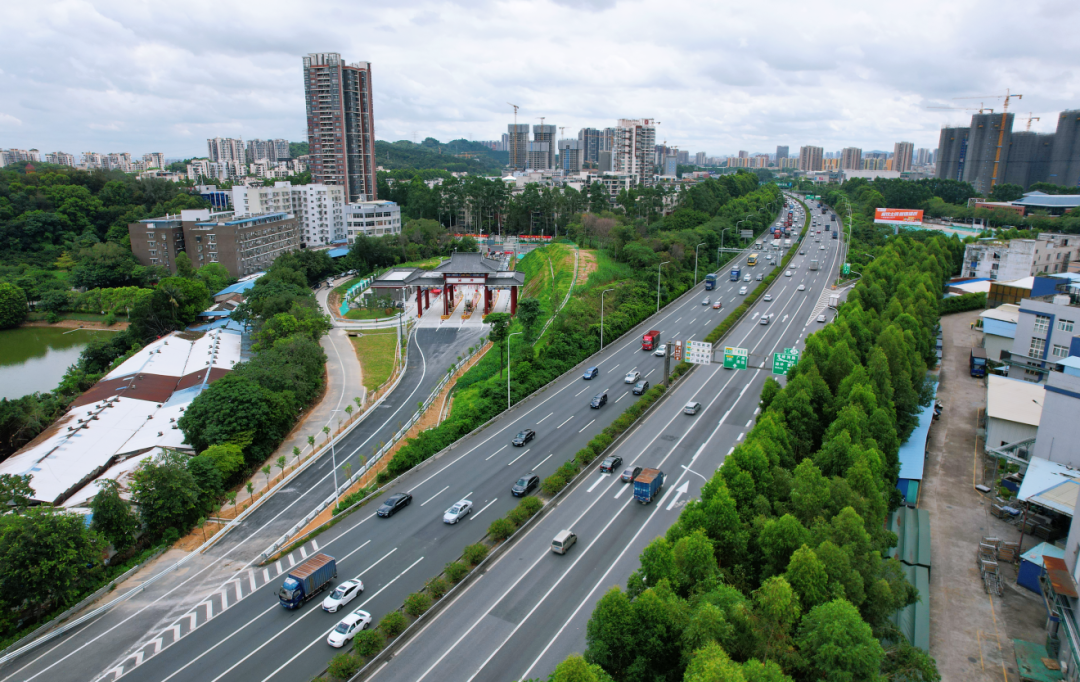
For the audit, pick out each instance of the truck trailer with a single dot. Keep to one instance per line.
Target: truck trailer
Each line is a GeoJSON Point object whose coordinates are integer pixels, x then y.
{"type": "Point", "coordinates": [307, 579]}
{"type": "Point", "coordinates": [650, 340]}
{"type": "Point", "coordinates": [648, 485]}
{"type": "Point", "coordinates": [735, 274]}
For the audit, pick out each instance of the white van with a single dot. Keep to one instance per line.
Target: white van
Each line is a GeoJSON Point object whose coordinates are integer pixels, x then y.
{"type": "Point", "coordinates": [563, 541]}
{"type": "Point", "coordinates": [742, 290]}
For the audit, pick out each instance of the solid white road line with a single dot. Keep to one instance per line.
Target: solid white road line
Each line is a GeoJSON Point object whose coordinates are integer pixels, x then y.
{"type": "Point", "coordinates": [580, 392]}
{"type": "Point", "coordinates": [434, 496]}
{"type": "Point", "coordinates": [598, 482]}
{"type": "Point", "coordinates": [586, 426]}
{"type": "Point", "coordinates": [518, 457]}
{"type": "Point", "coordinates": [622, 396]}
{"type": "Point", "coordinates": [495, 453]}
{"type": "Point", "coordinates": [545, 418]}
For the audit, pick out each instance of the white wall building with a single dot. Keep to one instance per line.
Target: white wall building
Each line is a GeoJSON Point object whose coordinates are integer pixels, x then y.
{"type": "Point", "coordinates": [1018, 258]}
{"type": "Point", "coordinates": [633, 148]}
{"type": "Point", "coordinates": [319, 209]}
{"type": "Point", "coordinates": [1013, 410]}
{"type": "Point", "coordinates": [372, 219]}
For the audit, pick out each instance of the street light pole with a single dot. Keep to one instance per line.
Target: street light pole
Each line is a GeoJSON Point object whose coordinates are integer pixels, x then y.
{"type": "Point", "coordinates": [333, 459]}
{"type": "Point", "coordinates": [602, 317]}
{"type": "Point", "coordinates": [721, 245]}
{"type": "Point", "coordinates": [508, 367]}
{"type": "Point", "coordinates": [695, 260]}
{"type": "Point", "coordinates": [658, 284]}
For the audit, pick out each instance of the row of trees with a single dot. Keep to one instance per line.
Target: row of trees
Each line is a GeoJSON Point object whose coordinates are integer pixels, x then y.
{"type": "Point", "coordinates": [777, 571]}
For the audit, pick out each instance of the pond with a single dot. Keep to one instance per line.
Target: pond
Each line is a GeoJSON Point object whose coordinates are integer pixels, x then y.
{"type": "Point", "coordinates": [34, 359]}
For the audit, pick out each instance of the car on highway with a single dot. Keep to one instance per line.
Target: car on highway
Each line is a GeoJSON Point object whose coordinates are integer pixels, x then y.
{"type": "Point", "coordinates": [342, 595]}
{"type": "Point", "coordinates": [764, 319]}
{"type": "Point", "coordinates": [742, 290]}
{"type": "Point", "coordinates": [347, 628]}
{"type": "Point", "coordinates": [746, 278]}
{"type": "Point", "coordinates": [640, 387]}
{"type": "Point", "coordinates": [628, 475]}
{"type": "Point", "coordinates": [692, 408]}
{"type": "Point", "coordinates": [598, 400]}
{"type": "Point", "coordinates": [458, 511]}
{"type": "Point", "coordinates": [632, 376]}
{"type": "Point", "coordinates": [820, 318]}
{"type": "Point", "coordinates": [591, 373]}
{"type": "Point", "coordinates": [394, 503]}
{"type": "Point", "coordinates": [661, 350]}
{"type": "Point", "coordinates": [801, 287]}
{"type": "Point", "coordinates": [768, 297]}
{"type": "Point", "coordinates": [563, 541]}
{"type": "Point", "coordinates": [802, 252]}
{"type": "Point", "coordinates": [706, 301]}
{"type": "Point", "coordinates": [822, 247]}
{"type": "Point", "coordinates": [609, 464]}
{"type": "Point", "coordinates": [768, 256]}
{"type": "Point", "coordinates": [787, 274]}
{"type": "Point", "coordinates": [524, 485]}
{"type": "Point", "coordinates": [718, 305]}
{"type": "Point", "coordinates": [761, 276]}
{"type": "Point", "coordinates": [523, 437]}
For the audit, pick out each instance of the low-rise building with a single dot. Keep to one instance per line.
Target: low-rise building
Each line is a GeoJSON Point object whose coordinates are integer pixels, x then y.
{"type": "Point", "coordinates": [1016, 258]}
{"type": "Point", "coordinates": [999, 329]}
{"type": "Point", "coordinates": [1013, 410]}
{"type": "Point", "coordinates": [1059, 428]}
{"type": "Point", "coordinates": [1048, 327]}
{"type": "Point", "coordinates": [371, 219]}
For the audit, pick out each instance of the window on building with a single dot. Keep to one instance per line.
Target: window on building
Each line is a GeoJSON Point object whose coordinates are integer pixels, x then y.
{"type": "Point", "coordinates": [1060, 351]}
{"type": "Point", "coordinates": [1037, 347]}
{"type": "Point", "coordinates": [1065, 325]}
{"type": "Point", "coordinates": [1042, 324]}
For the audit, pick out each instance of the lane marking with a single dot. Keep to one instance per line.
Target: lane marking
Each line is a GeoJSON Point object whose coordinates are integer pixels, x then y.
{"type": "Point", "coordinates": [580, 392]}
{"type": "Point", "coordinates": [541, 462]}
{"type": "Point", "coordinates": [518, 457]}
{"type": "Point", "coordinates": [622, 396]}
{"type": "Point", "coordinates": [473, 516]}
{"type": "Point", "coordinates": [564, 423]}
{"type": "Point", "coordinates": [495, 453]}
{"type": "Point", "coordinates": [541, 421]}
{"type": "Point", "coordinates": [434, 496]}
{"type": "Point", "coordinates": [586, 426]}
{"type": "Point", "coordinates": [598, 482]}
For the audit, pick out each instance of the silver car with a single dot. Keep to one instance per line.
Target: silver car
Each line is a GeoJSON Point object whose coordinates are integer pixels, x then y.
{"type": "Point", "coordinates": [457, 512]}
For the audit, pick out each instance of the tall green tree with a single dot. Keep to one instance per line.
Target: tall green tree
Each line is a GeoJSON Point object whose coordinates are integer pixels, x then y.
{"type": "Point", "coordinates": [12, 305]}
{"type": "Point", "coordinates": [837, 645]}
{"type": "Point", "coordinates": [112, 515]}
{"type": "Point", "coordinates": [166, 493]}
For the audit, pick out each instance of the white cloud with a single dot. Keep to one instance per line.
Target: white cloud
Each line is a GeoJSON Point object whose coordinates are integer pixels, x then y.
{"type": "Point", "coordinates": [115, 75]}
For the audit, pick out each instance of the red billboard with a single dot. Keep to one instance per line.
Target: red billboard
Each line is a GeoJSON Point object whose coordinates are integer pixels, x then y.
{"type": "Point", "coordinates": [898, 216]}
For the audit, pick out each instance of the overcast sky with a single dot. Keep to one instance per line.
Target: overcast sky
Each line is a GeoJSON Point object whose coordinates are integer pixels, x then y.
{"type": "Point", "coordinates": [163, 76]}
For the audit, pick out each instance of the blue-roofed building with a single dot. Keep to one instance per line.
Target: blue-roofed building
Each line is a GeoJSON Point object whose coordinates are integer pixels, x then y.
{"type": "Point", "coordinates": [1054, 204]}
{"type": "Point", "coordinates": [240, 287]}
{"type": "Point", "coordinates": [913, 456]}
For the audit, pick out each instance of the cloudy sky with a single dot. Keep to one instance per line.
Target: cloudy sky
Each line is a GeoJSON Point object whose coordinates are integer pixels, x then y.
{"type": "Point", "coordinates": [719, 76]}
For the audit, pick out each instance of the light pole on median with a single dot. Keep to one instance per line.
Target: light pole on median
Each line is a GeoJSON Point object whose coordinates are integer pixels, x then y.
{"type": "Point", "coordinates": [695, 260]}
{"type": "Point", "coordinates": [333, 459]}
{"type": "Point", "coordinates": [508, 367]}
{"type": "Point", "coordinates": [602, 317]}
{"type": "Point", "coordinates": [721, 245]}
{"type": "Point", "coordinates": [658, 284]}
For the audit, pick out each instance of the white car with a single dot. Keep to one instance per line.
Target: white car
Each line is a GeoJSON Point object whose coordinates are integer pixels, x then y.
{"type": "Point", "coordinates": [660, 351]}
{"type": "Point", "coordinates": [822, 247]}
{"type": "Point", "coordinates": [768, 297]}
{"type": "Point", "coordinates": [746, 278]}
{"type": "Point", "coordinates": [820, 318]}
{"type": "Point", "coordinates": [347, 628]}
{"type": "Point", "coordinates": [457, 512]}
{"type": "Point", "coordinates": [632, 377]}
{"type": "Point", "coordinates": [706, 301]}
{"type": "Point", "coordinates": [345, 593]}
{"type": "Point", "coordinates": [801, 287]}
{"type": "Point", "coordinates": [787, 274]}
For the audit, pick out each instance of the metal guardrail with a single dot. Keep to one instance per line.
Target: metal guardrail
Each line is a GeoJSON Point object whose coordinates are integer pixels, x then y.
{"type": "Point", "coordinates": [333, 497]}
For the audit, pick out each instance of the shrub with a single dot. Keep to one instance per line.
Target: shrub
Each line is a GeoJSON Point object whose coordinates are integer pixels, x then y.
{"type": "Point", "coordinates": [500, 529]}
{"type": "Point", "coordinates": [367, 643]}
{"type": "Point", "coordinates": [568, 469]}
{"type": "Point", "coordinates": [531, 505]}
{"type": "Point", "coordinates": [584, 456]}
{"type": "Point", "coordinates": [393, 623]}
{"type": "Point", "coordinates": [343, 666]}
{"type": "Point", "coordinates": [437, 587]}
{"type": "Point", "coordinates": [455, 571]}
{"type": "Point", "coordinates": [416, 603]}
{"type": "Point", "coordinates": [517, 516]}
{"type": "Point", "coordinates": [382, 478]}
{"type": "Point", "coordinates": [474, 554]}
{"type": "Point", "coordinates": [600, 442]}
{"type": "Point", "coordinates": [349, 500]}
{"type": "Point", "coordinates": [553, 483]}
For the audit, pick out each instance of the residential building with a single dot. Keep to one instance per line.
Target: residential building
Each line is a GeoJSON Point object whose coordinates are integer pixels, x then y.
{"type": "Point", "coordinates": [1018, 258]}
{"type": "Point", "coordinates": [571, 155]}
{"type": "Point", "coordinates": [671, 166]}
{"type": "Point", "coordinates": [999, 329]}
{"type": "Point", "coordinates": [633, 147]}
{"type": "Point", "coordinates": [851, 159]}
{"type": "Point", "coordinates": [1059, 429]}
{"type": "Point", "coordinates": [340, 122]}
{"type": "Point", "coordinates": [518, 145]}
{"type": "Point", "coordinates": [902, 152]}
{"type": "Point", "coordinates": [244, 245]}
{"type": "Point", "coordinates": [700, 159]}
{"type": "Point", "coordinates": [810, 158]}
{"type": "Point", "coordinates": [281, 150]}
{"type": "Point", "coordinates": [10, 156]}
{"type": "Point", "coordinates": [320, 210]}
{"type": "Point", "coordinates": [744, 155]}
{"type": "Point", "coordinates": [91, 160]}
{"type": "Point", "coordinates": [604, 165]}
{"type": "Point", "coordinates": [781, 155]}
{"type": "Point", "coordinates": [1048, 327]}
{"type": "Point", "coordinates": [257, 150]}
{"type": "Point", "coordinates": [226, 149]}
{"type": "Point", "coordinates": [590, 142]}
{"type": "Point", "coordinates": [196, 168]}
{"type": "Point", "coordinates": [372, 219]}
{"type": "Point", "coordinates": [545, 135]}
{"type": "Point", "coordinates": [537, 155]}
{"type": "Point", "coordinates": [157, 241]}
{"type": "Point", "coordinates": [607, 140]}
{"type": "Point", "coordinates": [922, 156]}
{"type": "Point", "coordinates": [614, 183]}
{"type": "Point", "coordinates": [683, 156]}
{"type": "Point", "coordinates": [153, 160]}
{"type": "Point", "coordinates": [60, 158]}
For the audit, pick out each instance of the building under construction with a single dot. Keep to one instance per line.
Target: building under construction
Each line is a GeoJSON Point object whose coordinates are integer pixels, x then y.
{"type": "Point", "coordinates": [971, 154]}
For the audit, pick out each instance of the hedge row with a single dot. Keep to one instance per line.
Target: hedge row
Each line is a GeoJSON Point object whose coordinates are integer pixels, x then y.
{"type": "Point", "coordinates": [959, 304]}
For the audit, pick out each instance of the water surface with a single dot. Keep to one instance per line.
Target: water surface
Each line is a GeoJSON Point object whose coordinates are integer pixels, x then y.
{"type": "Point", "coordinates": [34, 359]}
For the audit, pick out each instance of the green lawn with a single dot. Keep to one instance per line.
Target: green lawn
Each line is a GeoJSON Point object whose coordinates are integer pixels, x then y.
{"type": "Point", "coordinates": [342, 288]}
{"type": "Point", "coordinates": [376, 350]}
{"type": "Point", "coordinates": [365, 314]}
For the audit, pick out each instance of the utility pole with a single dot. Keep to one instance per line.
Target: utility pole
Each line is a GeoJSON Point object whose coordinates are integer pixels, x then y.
{"type": "Point", "coordinates": [667, 361]}
{"type": "Point", "coordinates": [513, 140]}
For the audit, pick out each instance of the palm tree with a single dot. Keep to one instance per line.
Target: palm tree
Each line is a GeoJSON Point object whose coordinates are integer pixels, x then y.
{"type": "Point", "coordinates": [251, 491]}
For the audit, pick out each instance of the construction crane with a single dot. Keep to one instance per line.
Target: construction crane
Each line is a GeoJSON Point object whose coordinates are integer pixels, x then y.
{"type": "Point", "coordinates": [1001, 129]}
{"type": "Point", "coordinates": [1031, 117]}
{"type": "Point", "coordinates": [981, 109]}
{"type": "Point", "coordinates": [541, 119]}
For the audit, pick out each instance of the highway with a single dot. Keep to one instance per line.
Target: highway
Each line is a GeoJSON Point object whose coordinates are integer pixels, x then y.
{"type": "Point", "coordinates": [233, 628]}
{"type": "Point", "coordinates": [530, 609]}
{"type": "Point", "coordinates": [131, 630]}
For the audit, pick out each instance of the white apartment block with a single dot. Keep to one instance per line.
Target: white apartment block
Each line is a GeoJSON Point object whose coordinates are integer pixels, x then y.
{"type": "Point", "coordinates": [319, 209]}
{"type": "Point", "coordinates": [226, 149]}
{"type": "Point", "coordinates": [61, 159]}
{"type": "Point", "coordinates": [10, 156]}
{"type": "Point", "coordinates": [633, 148]}
{"type": "Point", "coordinates": [1018, 258]}
{"type": "Point", "coordinates": [153, 160]}
{"type": "Point", "coordinates": [91, 160]}
{"type": "Point", "coordinates": [372, 219]}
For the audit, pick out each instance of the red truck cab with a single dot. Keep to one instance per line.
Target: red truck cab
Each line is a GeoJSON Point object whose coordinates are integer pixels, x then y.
{"type": "Point", "coordinates": [650, 340]}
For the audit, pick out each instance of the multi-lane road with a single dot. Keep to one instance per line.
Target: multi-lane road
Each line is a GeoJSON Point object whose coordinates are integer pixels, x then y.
{"type": "Point", "coordinates": [219, 619]}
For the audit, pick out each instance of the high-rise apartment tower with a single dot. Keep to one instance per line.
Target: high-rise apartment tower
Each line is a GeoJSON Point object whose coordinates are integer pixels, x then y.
{"type": "Point", "coordinates": [810, 158]}
{"type": "Point", "coordinates": [851, 158]}
{"type": "Point", "coordinates": [781, 154]}
{"type": "Point", "coordinates": [341, 125]}
{"type": "Point", "coordinates": [902, 152]}
{"type": "Point", "coordinates": [633, 148]}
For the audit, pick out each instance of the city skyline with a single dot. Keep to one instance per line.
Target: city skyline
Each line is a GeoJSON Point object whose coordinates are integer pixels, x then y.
{"type": "Point", "coordinates": [203, 81]}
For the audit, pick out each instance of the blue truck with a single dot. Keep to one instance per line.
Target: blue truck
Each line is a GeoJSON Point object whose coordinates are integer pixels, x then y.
{"type": "Point", "coordinates": [710, 282]}
{"type": "Point", "coordinates": [977, 362]}
{"type": "Point", "coordinates": [648, 485]}
{"type": "Point", "coordinates": [307, 579]}
{"type": "Point", "coordinates": [735, 274]}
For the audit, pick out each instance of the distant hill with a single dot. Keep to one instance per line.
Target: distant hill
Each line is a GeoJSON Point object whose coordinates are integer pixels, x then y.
{"type": "Point", "coordinates": [434, 155]}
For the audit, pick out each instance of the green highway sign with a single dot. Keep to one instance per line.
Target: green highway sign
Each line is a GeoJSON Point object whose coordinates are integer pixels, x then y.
{"type": "Point", "coordinates": [782, 362]}
{"type": "Point", "coordinates": [735, 358]}
{"type": "Point", "coordinates": [847, 269]}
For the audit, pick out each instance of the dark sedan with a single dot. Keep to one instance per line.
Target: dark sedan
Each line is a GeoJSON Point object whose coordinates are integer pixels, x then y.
{"type": "Point", "coordinates": [640, 387]}
{"type": "Point", "coordinates": [524, 485]}
{"type": "Point", "coordinates": [523, 437]}
{"type": "Point", "coordinates": [599, 400]}
{"type": "Point", "coordinates": [392, 504]}
{"type": "Point", "coordinates": [609, 464]}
